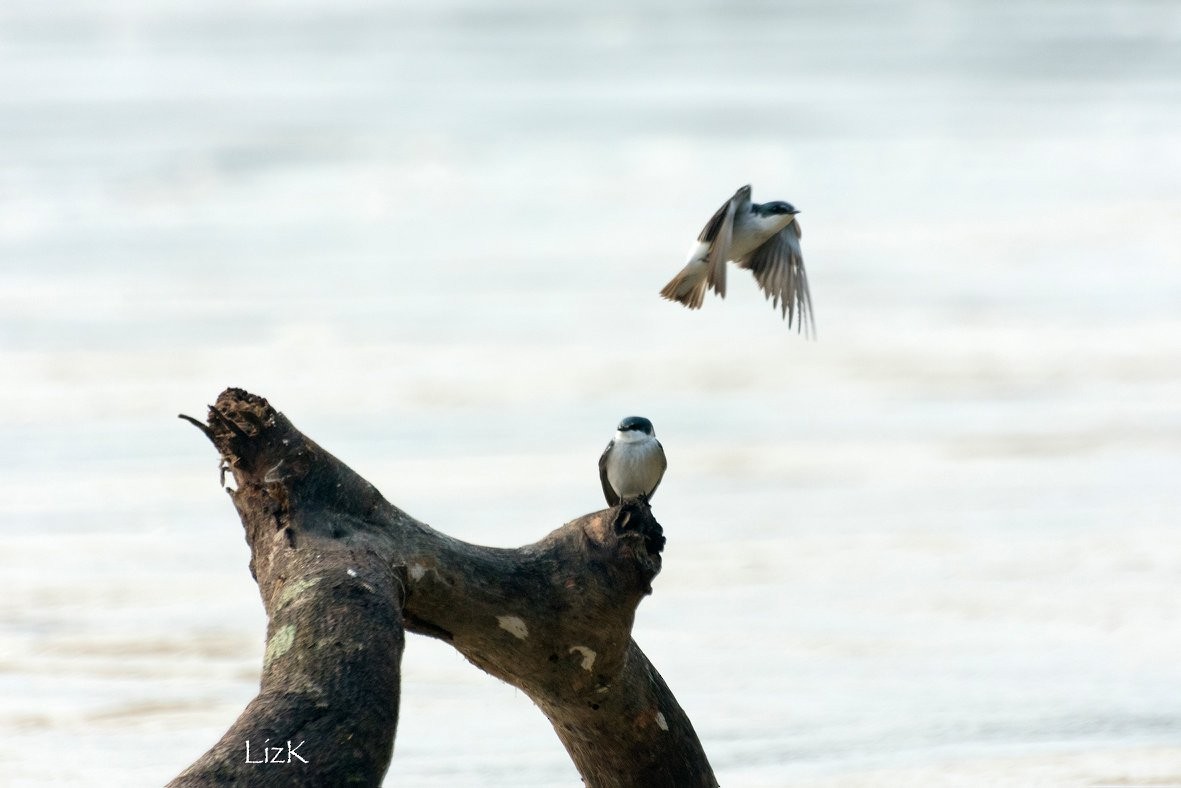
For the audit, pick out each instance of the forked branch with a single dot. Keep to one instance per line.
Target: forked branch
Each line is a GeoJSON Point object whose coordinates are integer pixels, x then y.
{"type": "Point", "coordinates": [342, 572]}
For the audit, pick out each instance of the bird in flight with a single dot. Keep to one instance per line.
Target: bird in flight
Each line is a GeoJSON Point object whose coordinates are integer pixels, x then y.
{"type": "Point", "coordinates": [762, 238]}
{"type": "Point", "coordinates": [633, 463]}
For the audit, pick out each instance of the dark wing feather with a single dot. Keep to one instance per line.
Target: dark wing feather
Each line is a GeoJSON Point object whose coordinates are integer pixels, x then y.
{"type": "Point", "coordinates": [608, 492]}
{"type": "Point", "coordinates": [778, 267]}
{"type": "Point", "coordinates": [718, 233]}
{"type": "Point", "coordinates": [710, 231]}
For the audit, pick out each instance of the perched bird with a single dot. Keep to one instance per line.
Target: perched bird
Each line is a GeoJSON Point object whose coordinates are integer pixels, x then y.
{"type": "Point", "coordinates": [633, 463]}
{"type": "Point", "coordinates": [763, 238]}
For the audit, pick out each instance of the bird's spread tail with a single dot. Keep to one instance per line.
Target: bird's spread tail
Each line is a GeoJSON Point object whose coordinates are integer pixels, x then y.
{"type": "Point", "coordinates": [687, 287]}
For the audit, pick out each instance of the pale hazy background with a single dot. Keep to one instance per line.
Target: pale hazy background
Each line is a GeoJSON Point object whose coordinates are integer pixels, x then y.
{"type": "Point", "coordinates": [939, 546]}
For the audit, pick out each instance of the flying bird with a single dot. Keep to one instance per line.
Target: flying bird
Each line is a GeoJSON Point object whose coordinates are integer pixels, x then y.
{"type": "Point", "coordinates": [762, 238]}
{"type": "Point", "coordinates": [633, 463]}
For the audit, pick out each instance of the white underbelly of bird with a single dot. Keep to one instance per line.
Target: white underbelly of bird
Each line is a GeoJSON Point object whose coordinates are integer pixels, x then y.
{"type": "Point", "coordinates": [752, 232]}
{"type": "Point", "coordinates": [635, 468]}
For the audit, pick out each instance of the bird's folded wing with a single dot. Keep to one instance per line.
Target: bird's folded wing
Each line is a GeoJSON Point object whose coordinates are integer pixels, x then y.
{"type": "Point", "coordinates": [608, 492]}
{"type": "Point", "coordinates": [663, 468]}
{"type": "Point", "coordinates": [778, 267]}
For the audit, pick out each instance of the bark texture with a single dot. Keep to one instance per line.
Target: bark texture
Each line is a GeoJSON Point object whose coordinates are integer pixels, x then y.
{"type": "Point", "coordinates": [342, 573]}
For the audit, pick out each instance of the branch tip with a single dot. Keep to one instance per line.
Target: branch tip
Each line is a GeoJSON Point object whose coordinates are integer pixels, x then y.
{"type": "Point", "coordinates": [198, 424]}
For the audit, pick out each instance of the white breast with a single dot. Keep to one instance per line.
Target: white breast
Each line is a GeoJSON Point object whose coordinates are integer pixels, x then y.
{"type": "Point", "coordinates": [634, 467]}
{"type": "Point", "coordinates": [752, 230]}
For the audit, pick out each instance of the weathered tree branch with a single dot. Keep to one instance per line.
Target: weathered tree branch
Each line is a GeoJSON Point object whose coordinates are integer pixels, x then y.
{"type": "Point", "coordinates": [341, 571]}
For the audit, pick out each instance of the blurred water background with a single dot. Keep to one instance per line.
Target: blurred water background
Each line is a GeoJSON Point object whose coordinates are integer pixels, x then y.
{"type": "Point", "coordinates": [939, 546]}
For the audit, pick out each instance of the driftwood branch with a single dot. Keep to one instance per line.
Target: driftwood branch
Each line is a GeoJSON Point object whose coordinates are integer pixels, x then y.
{"type": "Point", "coordinates": [343, 573]}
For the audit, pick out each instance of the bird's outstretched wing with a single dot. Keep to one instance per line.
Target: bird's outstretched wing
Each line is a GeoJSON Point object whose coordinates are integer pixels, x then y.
{"type": "Point", "coordinates": [608, 492]}
{"type": "Point", "coordinates": [778, 267]}
{"type": "Point", "coordinates": [718, 232]}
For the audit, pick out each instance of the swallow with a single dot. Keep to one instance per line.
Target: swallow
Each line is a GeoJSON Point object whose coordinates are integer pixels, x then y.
{"type": "Point", "coordinates": [763, 238]}
{"type": "Point", "coordinates": [633, 463]}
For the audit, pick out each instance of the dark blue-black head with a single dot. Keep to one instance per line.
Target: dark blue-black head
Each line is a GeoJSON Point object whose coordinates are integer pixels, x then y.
{"type": "Point", "coordinates": [636, 423]}
{"type": "Point", "coordinates": [777, 208]}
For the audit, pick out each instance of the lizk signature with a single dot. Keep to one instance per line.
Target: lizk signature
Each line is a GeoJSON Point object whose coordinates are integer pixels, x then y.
{"type": "Point", "coordinates": [271, 754]}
